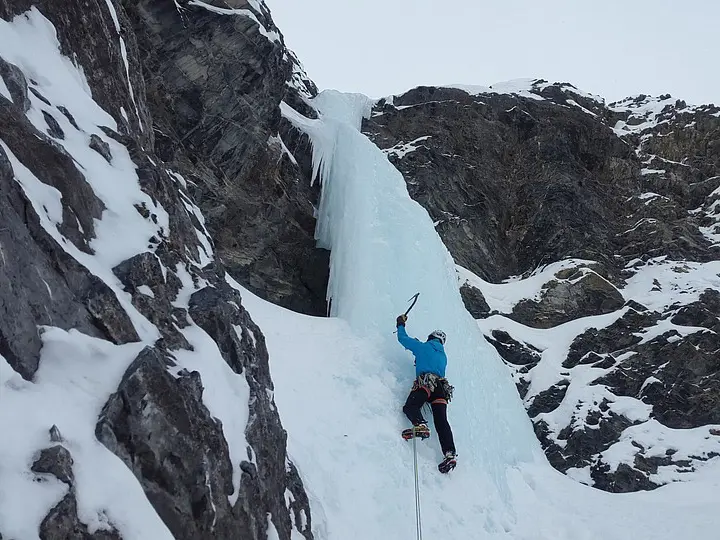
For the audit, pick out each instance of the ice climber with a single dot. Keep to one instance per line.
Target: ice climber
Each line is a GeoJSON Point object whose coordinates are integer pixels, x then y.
{"type": "Point", "coordinates": [430, 386]}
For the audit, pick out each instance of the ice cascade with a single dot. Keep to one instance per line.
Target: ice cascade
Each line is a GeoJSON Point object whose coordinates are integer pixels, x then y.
{"type": "Point", "coordinates": [384, 248]}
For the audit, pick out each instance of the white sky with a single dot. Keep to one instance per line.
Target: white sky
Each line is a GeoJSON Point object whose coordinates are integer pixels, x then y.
{"type": "Point", "coordinates": [613, 48]}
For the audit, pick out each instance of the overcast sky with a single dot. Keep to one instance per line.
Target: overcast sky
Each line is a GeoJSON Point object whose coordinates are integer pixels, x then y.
{"type": "Point", "coordinates": [614, 48]}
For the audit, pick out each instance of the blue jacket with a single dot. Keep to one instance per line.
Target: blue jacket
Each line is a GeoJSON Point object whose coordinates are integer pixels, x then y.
{"type": "Point", "coordinates": [429, 355]}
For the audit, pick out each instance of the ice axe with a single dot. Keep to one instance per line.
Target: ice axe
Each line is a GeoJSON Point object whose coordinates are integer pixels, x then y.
{"type": "Point", "coordinates": [413, 299]}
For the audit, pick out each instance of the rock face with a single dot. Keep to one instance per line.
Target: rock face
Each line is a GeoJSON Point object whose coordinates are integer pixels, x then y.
{"type": "Point", "coordinates": [606, 218]}
{"type": "Point", "coordinates": [516, 182]}
{"type": "Point", "coordinates": [183, 123]}
{"type": "Point", "coordinates": [528, 179]}
{"type": "Point", "coordinates": [214, 94]}
{"type": "Point", "coordinates": [158, 426]}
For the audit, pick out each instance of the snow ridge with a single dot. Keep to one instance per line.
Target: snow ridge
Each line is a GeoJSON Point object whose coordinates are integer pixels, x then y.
{"type": "Point", "coordinates": [271, 35]}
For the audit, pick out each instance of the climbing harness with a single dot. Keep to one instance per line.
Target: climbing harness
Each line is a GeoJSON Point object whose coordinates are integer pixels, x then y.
{"type": "Point", "coordinates": [429, 382]}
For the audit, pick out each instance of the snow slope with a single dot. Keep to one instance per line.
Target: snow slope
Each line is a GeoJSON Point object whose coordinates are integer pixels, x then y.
{"type": "Point", "coordinates": [340, 403]}
{"type": "Point", "coordinates": [340, 382]}
{"type": "Point", "coordinates": [77, 375]}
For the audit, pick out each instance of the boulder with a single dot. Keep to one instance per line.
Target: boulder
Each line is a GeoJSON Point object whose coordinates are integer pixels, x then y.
{"type": "Point", "coordinates": [56, 460]}
{"type": "Point", "coordinates": [62, 521]}
{"type": "Point", "coordinates": [474, 301]}
{"type": "Point", "coordinates": [582, 294]}
{"type": "Point", "coordinates": [548, 400]}
{"type": "Point", "coordinates": [512, 351]}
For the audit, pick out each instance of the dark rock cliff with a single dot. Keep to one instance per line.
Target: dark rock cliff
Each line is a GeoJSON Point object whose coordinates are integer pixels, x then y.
{"type": "Point", "coordinates": [191, 96]}
{"type": "Point", "coordinates": [214, 85]}
{"type": "Point", "coordinates": [516, 182]}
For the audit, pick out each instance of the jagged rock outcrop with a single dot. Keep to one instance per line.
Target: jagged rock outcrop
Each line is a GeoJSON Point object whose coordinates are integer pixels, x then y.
{"type": "Point", "coordinates": [24, 298]}
{"type": "Point", "coordinates": [217, 310]}
{"type": "Point", "coordinates": [55, 460]}
{"type": "Point", "coordinates": [680, 378]}
{"type": "Point", "coordinates": [589, 347]}
{"type": "Point", "coordinates": [548, 400]}
{"type": "Point", "coordinates": [101, 233]}
{"type": "Point", "coordinates": [532, 173]}
{"type": "Point", "coordinates": [157, 424]}
{"type": "Point", "coordinates": [152, 289]}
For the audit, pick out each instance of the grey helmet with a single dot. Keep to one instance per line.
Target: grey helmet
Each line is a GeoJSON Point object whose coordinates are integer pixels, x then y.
{"type": "Point", "coordinates": [439, 335]}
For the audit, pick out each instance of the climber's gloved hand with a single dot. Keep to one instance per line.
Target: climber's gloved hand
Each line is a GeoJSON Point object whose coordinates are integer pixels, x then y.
{"type": "Point", "coordinates": [401, 320]}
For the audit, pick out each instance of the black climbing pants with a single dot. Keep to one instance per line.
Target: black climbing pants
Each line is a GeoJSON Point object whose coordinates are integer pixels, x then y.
{"type": "Point", "coordinates": [438, 403]}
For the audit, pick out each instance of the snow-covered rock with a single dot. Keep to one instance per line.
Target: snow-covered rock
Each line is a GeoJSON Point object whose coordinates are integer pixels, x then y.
{"type": "Point", "coordinates": [135, 394]}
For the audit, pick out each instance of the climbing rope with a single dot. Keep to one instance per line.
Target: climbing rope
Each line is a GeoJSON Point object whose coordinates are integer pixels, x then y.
{"type": "Point", "coordinates": [418, 521]}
